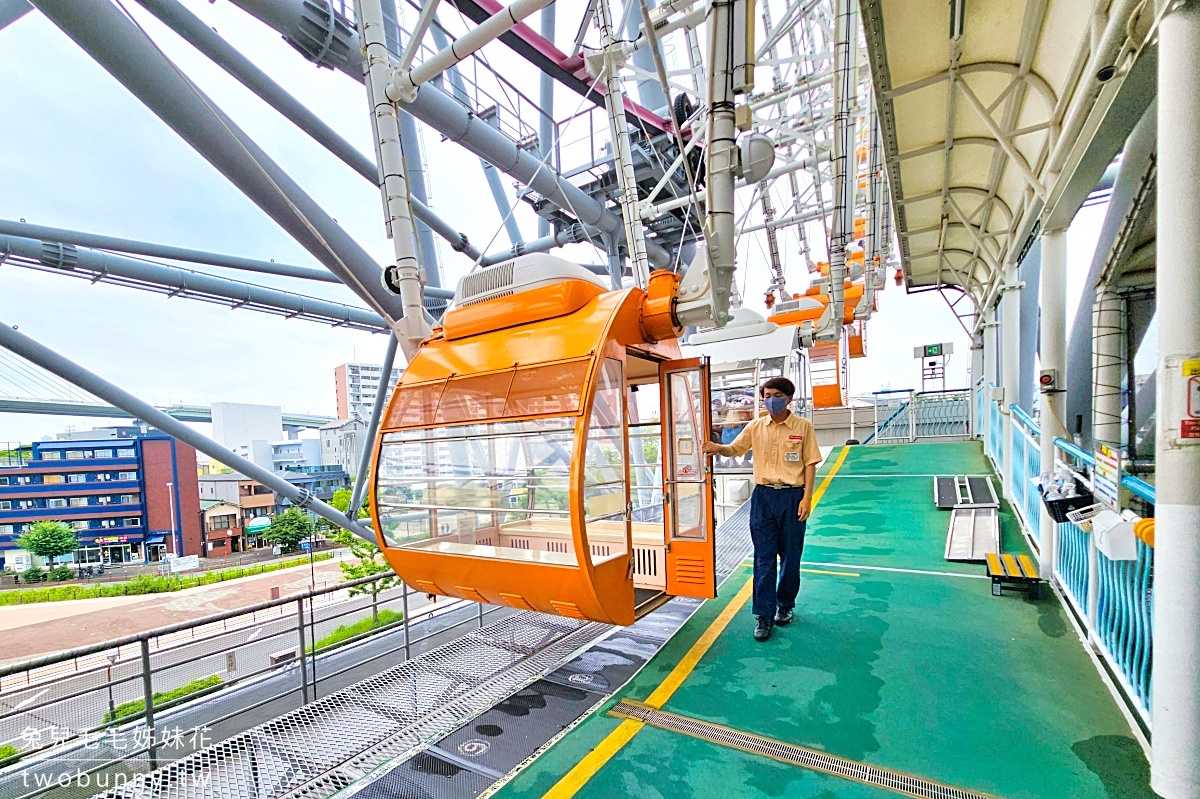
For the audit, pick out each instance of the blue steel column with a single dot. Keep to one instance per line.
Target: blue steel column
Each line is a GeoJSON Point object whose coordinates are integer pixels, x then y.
{"type": "Point", "coordinates": [1175, 707]}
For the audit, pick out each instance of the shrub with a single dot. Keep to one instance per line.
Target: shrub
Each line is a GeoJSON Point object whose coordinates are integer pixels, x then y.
{"type": "Point", "coordinates": [347, 631]}
{"type": "Point", "coordinates": [8, 752]}
{"type": "Point", "coordinates": [138, 585]}
{"type": "Point", "coordinates": [161, 698]}
{"type": "Point", "coordinates": [60, 573]}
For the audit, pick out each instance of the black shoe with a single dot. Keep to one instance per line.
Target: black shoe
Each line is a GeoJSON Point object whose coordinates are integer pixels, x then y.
{"type": "Point", "coordinates": [784, 617]}
{"type": "Point", "coordinates": [764, 628]}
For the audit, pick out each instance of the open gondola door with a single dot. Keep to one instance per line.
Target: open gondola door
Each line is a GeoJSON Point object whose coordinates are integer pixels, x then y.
{"type": "Point", "coordinates": [687, 479]}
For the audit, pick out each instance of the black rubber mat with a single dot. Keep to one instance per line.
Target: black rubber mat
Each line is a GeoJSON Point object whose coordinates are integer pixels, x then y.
{"type": "Point", "coordinates": [501, 738]}
{"type": "Point", "coordinates": [427, 776]}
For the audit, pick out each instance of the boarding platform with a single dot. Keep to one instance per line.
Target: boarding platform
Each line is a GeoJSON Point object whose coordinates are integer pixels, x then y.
{"type": "Point", "coordinates": [901, 676]}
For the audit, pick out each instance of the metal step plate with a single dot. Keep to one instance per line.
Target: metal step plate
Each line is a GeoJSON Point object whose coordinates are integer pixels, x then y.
{"type": "Point", "coordinates": [974, 532]}
{"type": "Point", "coordinates": [964, 491]}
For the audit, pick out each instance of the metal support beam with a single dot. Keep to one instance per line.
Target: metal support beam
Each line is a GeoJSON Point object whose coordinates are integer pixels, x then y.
{"type": "Point", "coordinates": [73, 373]}
{"type": "Point", "coordinates": [81, 239]}
{"type": "Point", "coordinates": [99, 265]}
{"type": "Point", "coordinates": [451, 119]}
{"type": "Point", "coordinates": [405, 276]}
{"type": "Point", "coordinates": [572, 234]}
{"type": "Point", "coordinates": [845, 179]}
{"type": "Point", "coordinates": [606, 65]}
{"type": "Point", "coordinates": [405, 81]}
{"type": "Point", "coordinates": [118, 45]}
{"type": "Point", "coordinates": [546, 126]}
{"type": "Point", "coordinates": [364, 462]}
{"type": "Point", "coordinates": [12, 10]}
{"type": "Point", "coordinates": [418, 198]}
{"type": "Point", "coordinates": [499, 196]}
{"type": "Point", "coordinates": [1175, 705]}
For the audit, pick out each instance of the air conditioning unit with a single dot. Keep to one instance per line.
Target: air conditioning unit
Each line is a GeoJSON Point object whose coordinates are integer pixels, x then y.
{"type": "Point", "coordinates": [523, 273]}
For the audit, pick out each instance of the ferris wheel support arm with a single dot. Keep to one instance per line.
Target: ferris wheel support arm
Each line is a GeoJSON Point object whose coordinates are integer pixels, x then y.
{"type": "Point", "coordinates": [845, 181]}
{"type": "Point", "coordinates": [405, 277]}
{"type": "Point", "coordinates": [41, 355]}
{"type": "Point", "coordinates": [179, 19]}
{"type": "Point", "coordinates": [607, 64]}
{"type": "Point", "coordinates": [102, 30]}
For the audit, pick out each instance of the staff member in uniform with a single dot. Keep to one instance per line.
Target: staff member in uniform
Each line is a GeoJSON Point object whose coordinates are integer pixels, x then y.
{"type": "Point", "coordinates": [785, 467]}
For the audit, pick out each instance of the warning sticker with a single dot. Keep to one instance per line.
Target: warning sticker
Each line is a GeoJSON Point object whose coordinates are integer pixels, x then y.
{"type": "Point", "coordinates": [1189, 428]}
{"type": "Point", "coordinates": [1191, 367]}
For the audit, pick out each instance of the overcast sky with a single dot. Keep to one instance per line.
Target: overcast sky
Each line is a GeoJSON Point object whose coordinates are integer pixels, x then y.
{"type": "Point", "coordinates": [78, 151]}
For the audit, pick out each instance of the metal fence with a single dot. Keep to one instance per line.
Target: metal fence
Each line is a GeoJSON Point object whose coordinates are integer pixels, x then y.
{"type": "Point", "coordinates": [1113, 598]}
{"type": "Point", "coordinates": [97, 714]}
{"type": "Point", "coordinates": [1026, 453]}
{"type": "Point", "coordinates": [904, 415]}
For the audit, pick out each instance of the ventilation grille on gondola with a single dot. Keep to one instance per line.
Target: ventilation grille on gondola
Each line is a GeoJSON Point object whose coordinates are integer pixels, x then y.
{"type": "Point", "coordinates": [487, 284]}
{"type": "Point", "coordinates": [788, 753]}
{"type": "Point", "coordinates": [645, 561]}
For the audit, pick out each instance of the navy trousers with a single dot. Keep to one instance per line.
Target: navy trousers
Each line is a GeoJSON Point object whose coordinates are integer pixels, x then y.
{"type": "Point", "coordinates": [778, 536]}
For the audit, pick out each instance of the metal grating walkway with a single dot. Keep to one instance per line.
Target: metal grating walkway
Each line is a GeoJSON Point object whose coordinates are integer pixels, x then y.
{"type": "Point", "coordinates": [329, 744]}
{"type": "Point", "coordinates": [407, 727]}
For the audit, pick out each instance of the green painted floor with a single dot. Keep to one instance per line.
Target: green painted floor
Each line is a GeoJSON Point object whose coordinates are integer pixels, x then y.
{"type": "Point", "coordinates": [922, 673]}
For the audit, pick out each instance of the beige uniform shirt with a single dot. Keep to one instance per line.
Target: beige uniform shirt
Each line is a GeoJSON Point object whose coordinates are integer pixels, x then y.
{"type": "Point", "coordinates": [781, 449]}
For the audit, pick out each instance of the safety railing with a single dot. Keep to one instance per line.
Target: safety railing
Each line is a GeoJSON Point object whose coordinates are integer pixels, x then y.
{"type": "Point", "coordinates": [995, 432]}
{"type": "Point", "coordinates": [925, 415]}
{"type": "Point", "coordinates": [1026, 464]}
{"type": "Point", "coordinates": [1113, 597]}
{"type": "Point", "coordinates": [894, 407]}
{"type": "Point", "coordinates": [128, 705]}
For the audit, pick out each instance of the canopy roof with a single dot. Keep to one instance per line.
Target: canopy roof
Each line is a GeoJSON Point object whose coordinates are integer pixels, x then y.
{"type": "Point", "coordinates": [970, 125]}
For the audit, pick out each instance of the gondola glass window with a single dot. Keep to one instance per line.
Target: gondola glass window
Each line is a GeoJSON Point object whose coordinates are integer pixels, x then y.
{"type": "Point", "coordinates": [499, 490]}
{"type": "Point", "coordinates": [604, 500]}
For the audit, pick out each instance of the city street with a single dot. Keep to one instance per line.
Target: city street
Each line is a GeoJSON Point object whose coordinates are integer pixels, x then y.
{"type": "Point", "coordinates": [82, 700]}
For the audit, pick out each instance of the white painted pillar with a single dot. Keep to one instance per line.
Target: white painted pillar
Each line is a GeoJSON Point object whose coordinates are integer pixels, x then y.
{"type": "Point", "coordinates": [1053, 348]}
{"type": "Point", "coordinates": [1010, 354]}
{"type": "Point", "coordinates": [978, 386]}
{"type": "Point", "coordinates": [1175, 711]}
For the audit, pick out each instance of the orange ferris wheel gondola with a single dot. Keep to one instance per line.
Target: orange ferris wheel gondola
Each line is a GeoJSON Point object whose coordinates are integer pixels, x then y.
{"type": "Point", "coordinates": [542, 451]}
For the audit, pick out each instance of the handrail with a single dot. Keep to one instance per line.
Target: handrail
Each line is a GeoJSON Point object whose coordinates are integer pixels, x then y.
{"type": "Point", "coordinates": [1026, 419]}
{"type": "Point", "coordinates": [886, 421]}
{"type": "Point", "coordinates": [892, 391]}
{"type": "Point", "coordinates": [1071, 449]}
{"type": "Point", "coordinates": [1136, 485]}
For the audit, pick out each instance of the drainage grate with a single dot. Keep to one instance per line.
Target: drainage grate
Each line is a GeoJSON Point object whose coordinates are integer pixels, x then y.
{"type": "Point", "coordinates": [789, 753]}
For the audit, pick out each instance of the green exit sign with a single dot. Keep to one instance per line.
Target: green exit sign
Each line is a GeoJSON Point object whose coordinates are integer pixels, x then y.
{"type": "Point", "coordinates": [933, 350]}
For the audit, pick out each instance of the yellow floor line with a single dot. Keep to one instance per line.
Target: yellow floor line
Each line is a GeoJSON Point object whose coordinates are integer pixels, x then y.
{"type": "Point", "coordinates": [594, 760]}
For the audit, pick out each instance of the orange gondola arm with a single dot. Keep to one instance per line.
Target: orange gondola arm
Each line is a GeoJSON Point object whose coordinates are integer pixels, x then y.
{"type": "Point", "coordinates": [687, 477]}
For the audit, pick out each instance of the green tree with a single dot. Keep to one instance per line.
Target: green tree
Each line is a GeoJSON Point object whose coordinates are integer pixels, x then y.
{"type": "Point", "coordinates": [289, 528]}
{"type": "Point", "coordinates": [49, 540]}
{"type": "Point", "coordinates": [369, 563]}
